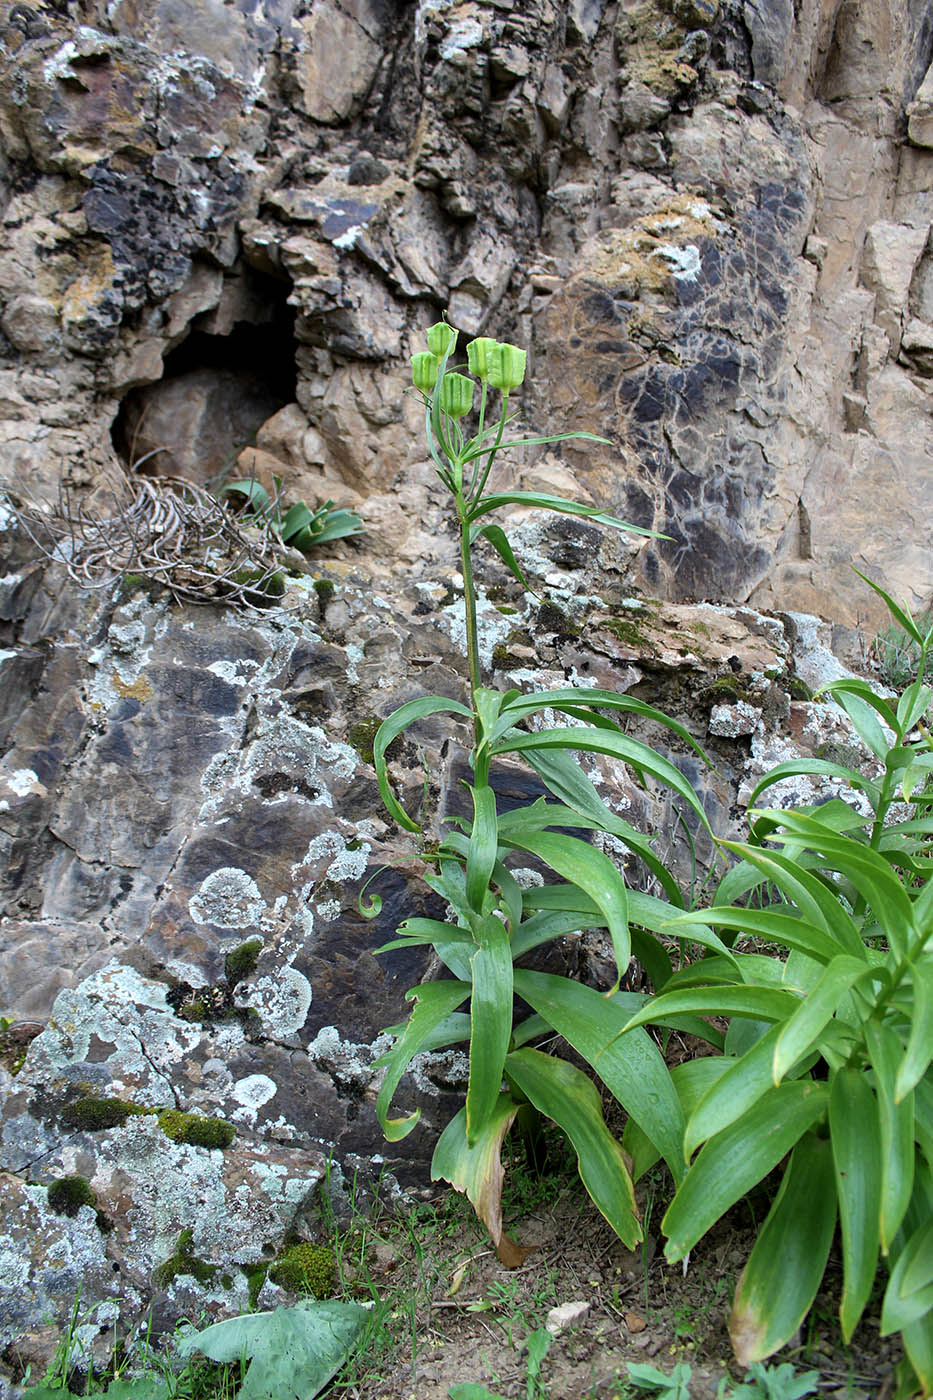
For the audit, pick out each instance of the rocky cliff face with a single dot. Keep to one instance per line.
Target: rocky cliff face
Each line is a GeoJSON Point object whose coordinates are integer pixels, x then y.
{"type": "Point", "coordinates": [225, 226]}
{"type": "Point", "coordinates": [710, 222]}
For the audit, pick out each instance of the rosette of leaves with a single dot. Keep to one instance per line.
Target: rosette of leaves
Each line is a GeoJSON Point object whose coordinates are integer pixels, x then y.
{"type": "Point", "coordinates": [494, 923]}
{"type": "Point", "coordinates": [299, 526]}
{"type": "Point", "coordinates": [826, 1061]}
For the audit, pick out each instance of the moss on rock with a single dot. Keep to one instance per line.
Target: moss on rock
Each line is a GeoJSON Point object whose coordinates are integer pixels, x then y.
{"type": "Point", "coordinates": [93, 1115]}
{"type": "Point", "coordinates": [195, 1130]}
{"type": "Point", "coordinates": [306, 1268]}
{"type": "Point", "coordinates": [69, 1193]}
{"type": "Point", "coordinates": [184, 1261]}
{"type": "Point", "coordinates": [241, 961]}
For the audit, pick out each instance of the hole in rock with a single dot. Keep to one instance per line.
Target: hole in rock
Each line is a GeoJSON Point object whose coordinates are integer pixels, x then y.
{"type": "Point", "coordinates": [233, 371]}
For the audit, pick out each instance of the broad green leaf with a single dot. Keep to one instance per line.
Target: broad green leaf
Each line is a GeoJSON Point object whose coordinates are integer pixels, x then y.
{"type": "Point", "coordinates": [471, 1390]}
{"type": "Point", "coordinates": [760, 1003]}
{"type": "Point", "coordinates": [256, 496]}
{"type": "Point", "coordinates": [909, 1294]}
{"type": "Point", "coordinates": [390, 729]}
{"type": "Point", "coordinates": [897, 1129]}
{"type": "Point", "coordinates": [817, 904]}
{"type": "Point", "coordinates": [816, 767]}
{"type": "Point", "coordinates": [738, 1158]}
{"type": "Point", "coordinates": [785, 1268]}
{"type": "Point", "coordinates": [297, 518]}
{"type": "Point", "coordinates": [616, 745]}
{"type": "Point", "coordinates": [476, 1169]}
{"type": "Point", "coordinates": [692, 1079]}
{"type": "Point", "coordinates": [595, 874]}
{"type": "Point", "coordinates": [918, 1344]}
{"type": "Point", "coordinates": [864, 718]}
{"type": "Point", "coordinates": [919, 1050]}
{"type": "Point", "coordinates": [481, 855]}
{"type": "Point", "coordinates": [821, 1003]}
{"type": "Point", "coordinates": [525, 705]}
{"type": "Point", "coordinates": [563, 776]}
{"type": "Point", "coordinates": [854, 1135]}
{"type": "Point", "coordinates": [491, 1021]}
{"type": "Point", "coordinates": [415, 932]}
{"type": "Point", "coordinates": [564, 1094]}
{"type": "Point", "coordinates": [434, 1001]}
{"type": "Point", "coordinates": [631, 1066]}
{"type": "Point", "coordinates": [913, 705]}
{"type": "Point", "coordinates": [737, 1087]}
{"type": "Point", "coordinates": [337, 526]}
{"type": "Point", "coordinates": [775, 925]}
{"type": "Point", "coordinates": [294, 1351]}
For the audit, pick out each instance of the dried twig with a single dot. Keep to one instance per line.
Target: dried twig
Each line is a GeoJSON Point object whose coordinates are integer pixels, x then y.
{"type": "Point", "coordinates": [167, 530]}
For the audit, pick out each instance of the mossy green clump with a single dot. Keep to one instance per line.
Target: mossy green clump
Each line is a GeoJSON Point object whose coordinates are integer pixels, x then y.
{"type": "Point", "coordinates": [798, 689]}
{"type": "Point", "coordinates": [725, 690]}
{"type": "Point", "coordinates": [242, 960]}
{"type": "Point", "coordinates": [362, 736]}
{"type": "Point", "coordinates": [194, 1130]}
{"type": "Point", "coordinates": [183, 1261]}
{"type": "Point", "coordinates": [94, 1115]}
{"type": "Point", "coordinates": [306, 1268]}
{"type": "Point", "coordinates": [626, 632]}
{"type": "Point", "coordinates": [255, 1278]}
{"type": "Point", "coordinates": [325, 590]}
{"type": "Point", "coordinates": [69, 1193]}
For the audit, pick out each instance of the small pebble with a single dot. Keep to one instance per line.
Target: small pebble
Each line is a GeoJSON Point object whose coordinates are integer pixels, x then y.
{"type": "Point", "coordinates": [564, 1317]}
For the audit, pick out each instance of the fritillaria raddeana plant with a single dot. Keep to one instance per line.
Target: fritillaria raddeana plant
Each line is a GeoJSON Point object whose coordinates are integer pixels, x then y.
{"type": "Point", "coordinates": [493, 922]}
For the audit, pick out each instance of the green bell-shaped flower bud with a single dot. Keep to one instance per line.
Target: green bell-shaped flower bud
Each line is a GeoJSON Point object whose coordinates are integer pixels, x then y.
{"type": "Point", "coordinates": [456, 395]}
{"type": "Point", "coordinates": [441, 339]}
{"type": "Point", "coordinates": [424, 368]}
{"type": "Point", "coordinates": [506, 366]}
{"type": "Point", "coordinates": [478, 352]}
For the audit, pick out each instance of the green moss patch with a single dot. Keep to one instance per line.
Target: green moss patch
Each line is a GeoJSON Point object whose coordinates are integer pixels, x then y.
{"type": "Point", "coordinates": [94, 1115]}
{"type": "Point", "coordinates": [194, 1130]}
{"type": "Point", "coordinates": [306, 1268]}
{"type": "Point", "coordinates": [241, 961]}
{"type": "Point", "coordinates": [184, 1261]}
{"type": "Point", "coordinates": [69, 1193]}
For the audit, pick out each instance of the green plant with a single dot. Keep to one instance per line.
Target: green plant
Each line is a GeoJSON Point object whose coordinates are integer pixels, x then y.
{"type": "Point", "coordinates": [676, 1386]}
{"type": "Point", "coordinates": [538, 1344]}
{"type": "Point", "coordinates": [775, 1383]}
{"type": "Point", "coordinates": [494, 922]}
{"type": "Point", "coordinates": [292, 1352]}
{"type": "Point", "coordinates": [306, 1268]}
{"type": "Point", "coordinates": [828, 1053]}
{"type": "Point", "coordinates": [299, 526]}
{"type": "Point", "coordinates": [896, 652]}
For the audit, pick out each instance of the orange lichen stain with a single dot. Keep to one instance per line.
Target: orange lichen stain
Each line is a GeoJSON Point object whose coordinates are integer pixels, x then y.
{"type": "Point", "coordinates": [140, 689]}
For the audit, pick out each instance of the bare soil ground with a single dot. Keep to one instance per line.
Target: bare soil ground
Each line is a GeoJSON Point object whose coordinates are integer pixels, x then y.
{"type": "Point", "coordinates": [453, 1314]}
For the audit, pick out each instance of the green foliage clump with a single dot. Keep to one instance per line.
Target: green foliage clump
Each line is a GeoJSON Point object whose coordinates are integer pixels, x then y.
{"type": "Point", "coordinates": [195, 1130]}
{"type": "Point", "coordinates": [896, 653]}
{"type": "Point", "coordinates": [306, 1268]}
{"type": "Point", "coordinates": [93, 1115]}
{"type": "Point", "coordinates": [242, 960]}
{"type": "Point", "coordinates": [184, 1261]}
{"type": "Point", "coordinates": [361, 736]}
{"type": "Point", "coordinates": [69, 1193]}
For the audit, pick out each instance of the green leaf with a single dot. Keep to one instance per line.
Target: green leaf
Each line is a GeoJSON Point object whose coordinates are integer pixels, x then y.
{"type": "Point", "coordinates": [470, 1390]}
{"type": "Point", "coordinates": [760, 1003]}
{"type": "Point", "coordinates": [481, 856]}
{"type": "Point", "coordinates": [738, 1086]}
{"type": "Point", "coordinates": [793, 1247]}
{"type": "Point", "coordinates": [592, 699]}
{"type": "Point", "coordinates": [817, 767]}
{"type": "Point", "coordinates": [490, 1019]}
{"type": "Point", "coordinates": [854, 1135]}
{"type": "Point", "coordinates": [255, 496]}
{"type": "Point", "coordinates": [901, 614]}
{"type": "Point", "coordinates": [919, 1050]}
{"type": "Point", "coordinates": [676, 1386]}
{"type": "Point", "coordinates": [595, 874]}
{"type": "Point", "coordinates": [909, 1294]}
{"type": "Point", "coordinates": [817, 904]}
{"type": "Point", "coordinates": [897, 1129]}
{"type": "Point", "coordinates": [631, 1066]}
{"type": "Point", "coordinates": [390, 729]}
{"type": "Point", "coordinates": [913, 705]}
{"type": "Point", "coordinates": [639, 756]}
{"type": "Point", "coordinates": [500, 543]}
{"type": "Point", "coordinates": [564, 1094]}
{"type": "Point", "coordinates": [692, 1079]}
{"type": "Point", "coordinates": [738, 1158]}
{"type": "Point", "coordinates": [555, 503]}
{"type": "Point", "coordinates": [803, 1028]}
{"type": "Point", "coordinates": [294, 1351]}
{"type": "Point", "coordinates": [337, 526]}
{"type": "Point", "coordinates": [434, 1001]}
{"type": "Point", "coordinates": [775, 925]}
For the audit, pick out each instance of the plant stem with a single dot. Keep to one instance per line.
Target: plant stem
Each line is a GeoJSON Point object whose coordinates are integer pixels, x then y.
{"type": "Point", "coordinates": [469, 602]}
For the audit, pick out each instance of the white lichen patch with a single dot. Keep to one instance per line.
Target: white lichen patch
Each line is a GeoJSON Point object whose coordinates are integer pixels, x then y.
{"type": "Point", "coordinates": [116, 1008]}
{"type": "Point", "coordinates": [236, 672]}
{"type": "Point", "coordinates": [350, 1064]}
{"type": "Point", "coordinates": [282, 1001]}
{"type": "Point", "coordinates": [251, 1094]}
{"type": "Point", "coordinates": [228, 898]}
{"type": "Point", "coordinates": [345, 865]}
{"type": "Point", "coordinates": [24, 782]}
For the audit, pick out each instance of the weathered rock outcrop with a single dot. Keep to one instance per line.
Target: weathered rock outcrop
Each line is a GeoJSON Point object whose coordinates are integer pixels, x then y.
{"type": "Point", "coordinates": [225, 227]}
{"type": "Point", "coordinates": [710, 222]}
